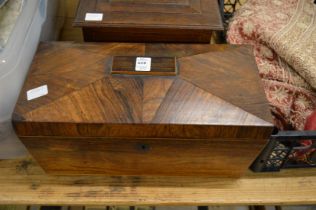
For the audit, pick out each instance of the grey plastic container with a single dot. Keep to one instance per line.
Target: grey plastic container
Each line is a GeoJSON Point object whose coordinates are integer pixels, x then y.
{"type": "Point", "coordinates": [15, 59]}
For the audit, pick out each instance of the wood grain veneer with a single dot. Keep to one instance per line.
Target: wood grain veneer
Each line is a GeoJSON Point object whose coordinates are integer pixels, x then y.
{"type": "Point", "coordinates": [150, 21]}
{"type": "Point", "coordinates": [212, 118]}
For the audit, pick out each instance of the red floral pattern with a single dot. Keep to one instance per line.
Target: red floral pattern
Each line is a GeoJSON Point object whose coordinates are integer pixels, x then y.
{"type": "Point", "coordinates": [259, 23]}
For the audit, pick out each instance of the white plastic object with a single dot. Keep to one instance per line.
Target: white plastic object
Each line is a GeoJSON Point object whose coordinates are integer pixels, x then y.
{"type": "Point", "coordinates": [15, 59]}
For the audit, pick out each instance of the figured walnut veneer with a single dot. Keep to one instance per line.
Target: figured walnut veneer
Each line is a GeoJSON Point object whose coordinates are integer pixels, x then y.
{"type": "Point", "coordinates": [150, 21]}
{"type": "Point", "coordinates": [212, 118]}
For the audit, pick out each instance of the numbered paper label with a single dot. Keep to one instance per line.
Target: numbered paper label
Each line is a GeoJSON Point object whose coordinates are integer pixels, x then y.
{"type": "Point", "coordinates": [94, 17]}
{"type": "Point", "coordinates": [143, 64]}
{"type": "Point", "coordinates": [37, 92]}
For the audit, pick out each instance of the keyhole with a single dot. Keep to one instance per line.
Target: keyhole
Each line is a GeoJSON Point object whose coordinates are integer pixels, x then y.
{"type": "Point", "coordinates": [144, 147]}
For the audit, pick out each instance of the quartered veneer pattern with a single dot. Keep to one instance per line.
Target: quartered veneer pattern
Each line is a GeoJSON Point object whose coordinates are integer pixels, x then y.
{"type": "Point", "coordinates": [211, 118]}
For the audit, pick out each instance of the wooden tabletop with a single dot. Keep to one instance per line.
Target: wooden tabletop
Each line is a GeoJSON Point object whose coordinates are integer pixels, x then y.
{"type": "Point", "coordinates": [22, 181]}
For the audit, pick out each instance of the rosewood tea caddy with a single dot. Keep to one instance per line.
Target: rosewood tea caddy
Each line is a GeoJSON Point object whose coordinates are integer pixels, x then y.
{"type": "Point", "coordinates": [197, 109]}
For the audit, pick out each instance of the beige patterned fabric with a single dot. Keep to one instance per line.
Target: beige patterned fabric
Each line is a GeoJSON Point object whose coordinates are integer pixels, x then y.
{"type": "Point", "coordinates": [296, 41]}
{"type": "Point", "coordinates": [9, 14]}
{"type": "Point", "coordinates": [283, 36]}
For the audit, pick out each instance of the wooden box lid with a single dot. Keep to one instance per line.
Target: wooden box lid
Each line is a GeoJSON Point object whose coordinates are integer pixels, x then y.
{"type": "Point", "coordinates": [162, 14]}
{"type": "Point", "coordinates": [216, 93]}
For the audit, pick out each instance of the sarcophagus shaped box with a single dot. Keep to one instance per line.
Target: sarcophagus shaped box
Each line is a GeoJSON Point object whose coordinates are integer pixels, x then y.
{"type": "Point", "coordinates": [143, 109]}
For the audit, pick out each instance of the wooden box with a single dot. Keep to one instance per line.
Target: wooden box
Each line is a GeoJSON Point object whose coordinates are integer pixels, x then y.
{"type": "Point", "coordinates": [148, 21]}
{"type": "Point", "coordinates": [202, 112]}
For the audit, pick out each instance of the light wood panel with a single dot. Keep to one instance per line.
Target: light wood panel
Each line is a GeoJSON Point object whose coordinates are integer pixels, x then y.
{"type": "Point", "coordinates": [24, 182]}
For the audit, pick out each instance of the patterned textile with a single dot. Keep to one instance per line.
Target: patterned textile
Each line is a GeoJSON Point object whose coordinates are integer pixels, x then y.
{"type": "Point", "coordinates": [283, 34]}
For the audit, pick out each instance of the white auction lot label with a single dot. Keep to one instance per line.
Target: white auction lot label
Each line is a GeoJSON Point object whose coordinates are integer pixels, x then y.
{"type": "Point", "coordinates": [37, 92]}
{"type": "Point", "coordinates": [94, 17]}
{"type": "Point", "coordinates": [143, 64]}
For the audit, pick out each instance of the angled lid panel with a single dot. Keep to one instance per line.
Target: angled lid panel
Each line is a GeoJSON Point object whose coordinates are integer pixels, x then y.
{"type": "Point", "coordinates": [218, 87]}
{"type": "Point", "coordinates": [155, 91]}
{"type": "Point", "coordinates": [186, 103]}
{"type": "Point", "coordinates": [231, 74]}
{"type": "Point", "coordinates": [66, 67]}
{"type": "Point", "coordinates": [105, 101]}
